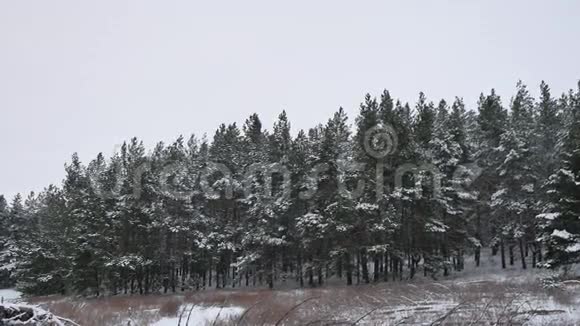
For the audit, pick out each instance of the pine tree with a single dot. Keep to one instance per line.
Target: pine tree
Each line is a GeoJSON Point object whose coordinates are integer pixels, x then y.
{"type": "Point", "coordinates": [548, 123]}
{"type": "Point", "coordinates": [339, 193]}
{"type": "Point", "coordinates": [491, 124]}
{"type": "Point", "coordinates": [14, 235]}
{"type": "Point", "coordinates": [368, 149]}
{"type": "Point", "coordinates": [399, 191]}
{"type": "Point", "coordinates": [44, 261]}
{"type": "Point", "coordinates": [5, 268]}
{"type": "Point", "coordinates": [425, 121]}
{"type": "Point", "coordinates": [449, 219]}
{"type": "Point", "coordinates": [562, 235]}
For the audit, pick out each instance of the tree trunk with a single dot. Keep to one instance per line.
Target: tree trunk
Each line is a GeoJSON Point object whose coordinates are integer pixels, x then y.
{"type": "Point", "coordinates": [401, 263]}
{"type": "Point", "coordinates": [386, 268]}
{"type": "Point", "coordinates": [411, 267]}
{"type": "Point", "coordinates": [522, 253]}
{"type": "Point", "coordinates": [97, 282]}
{"type": "Point", "coordinates": [348, 262]}
{"type": "Point", "coordinates": [511, 251]}
{"type": "Point", "coordinates": [358, 267]}
{"type": "Point", "coordinates": [394, 267]}
{"type": "Point", "coordinates": [365, 267]}
{"type": "Point", "coordinates": [300, 270]}
{"type": "Point", "coordinates": [502, 249]}
{"type": "Point", "coordinates": [310, 274]}
{"type": "Point", "coordinates": [209, 276]}
{"type": "Point", "coordinates": [376, 268]}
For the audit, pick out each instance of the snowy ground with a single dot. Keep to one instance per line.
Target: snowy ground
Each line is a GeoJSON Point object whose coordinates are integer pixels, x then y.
{"type": "Point", "coordinates": [453, 302]}
{"type": "Point", "coordinates": [9, 295]}
{"type": "Point", "coordinates": [487, 295]}
{"type": "Point", "coordinates": [196, 315]}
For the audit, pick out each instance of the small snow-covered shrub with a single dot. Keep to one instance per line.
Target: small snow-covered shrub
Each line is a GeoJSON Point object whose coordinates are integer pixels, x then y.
{"type": "Point", "coordinates": [29, 315]}
{"type": "Point", "coordinates": [551, 282]}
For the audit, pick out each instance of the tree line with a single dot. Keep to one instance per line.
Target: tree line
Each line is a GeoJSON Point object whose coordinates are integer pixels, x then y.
{"type": "Point", "coordinates": [402, 190]}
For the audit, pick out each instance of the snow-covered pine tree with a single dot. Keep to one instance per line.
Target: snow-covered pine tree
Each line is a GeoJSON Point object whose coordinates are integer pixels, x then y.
{"type": "Point", "coordinates": [514, 198]}
{"type": "Point", "coordinates": [308, 217]}
{"type": "Point", "coordinates": [420, 228]}
{"type": "Point", "coordinates": [255, 259]}
{"type": "Point", "coordinates": [463, 236]}
{"type": "Point", "coordinates": [267, 202]}
{"type": "Point", "coordinates": [44, 264]}
{"type": "Point", "coordinates": [491, 124]}
{"type": "Point", "coordinates": [401, 198]}
{"type": "Point", "coordinates": [5, 269]}
{"type": "Point", "coordinates": [224, 205]}
{"type": "Point", "coordinates": [16, 230]}
{"type": "Point", "coordinates": [141, 222]}
{"type": "Point", "coordinates": [337, 195]}
{"type": "Point", "coordinates": [368, 136]}
{"type": "Point", "coordinates": [562, 233]}
{"type": "Point", "coordinates": [300, 167]}
{"type": "Point", "coordinates": [451, 209]}
{"type": "Point", "coordinates": [547, 125]}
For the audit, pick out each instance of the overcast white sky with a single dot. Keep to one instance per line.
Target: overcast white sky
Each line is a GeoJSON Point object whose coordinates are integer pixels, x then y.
{"type": "Point", "coordinates": [86, 75]}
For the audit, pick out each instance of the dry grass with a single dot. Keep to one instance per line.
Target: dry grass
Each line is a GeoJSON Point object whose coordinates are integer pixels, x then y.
{"type": "Point", "coordinates": [143, 310]}
{"type": "Point", "coordinates": [446, 302]}
{"type": "Point", "coordinates": [170, 307]}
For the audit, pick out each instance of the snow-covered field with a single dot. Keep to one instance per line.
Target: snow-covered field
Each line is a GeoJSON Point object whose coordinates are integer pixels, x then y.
{"type": "Point", "coordinates": [196, 315]}
{"type": "Point", "coordinates": [9, 295]}
{"type": "Point", "coordinates": [483, 302]}
{"type": "Point", "coordinates": [484, 296]}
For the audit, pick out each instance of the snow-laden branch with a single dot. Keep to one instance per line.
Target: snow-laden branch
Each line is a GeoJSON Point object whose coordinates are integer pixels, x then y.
{"type": "Point", "coordinates": [12, 315]}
